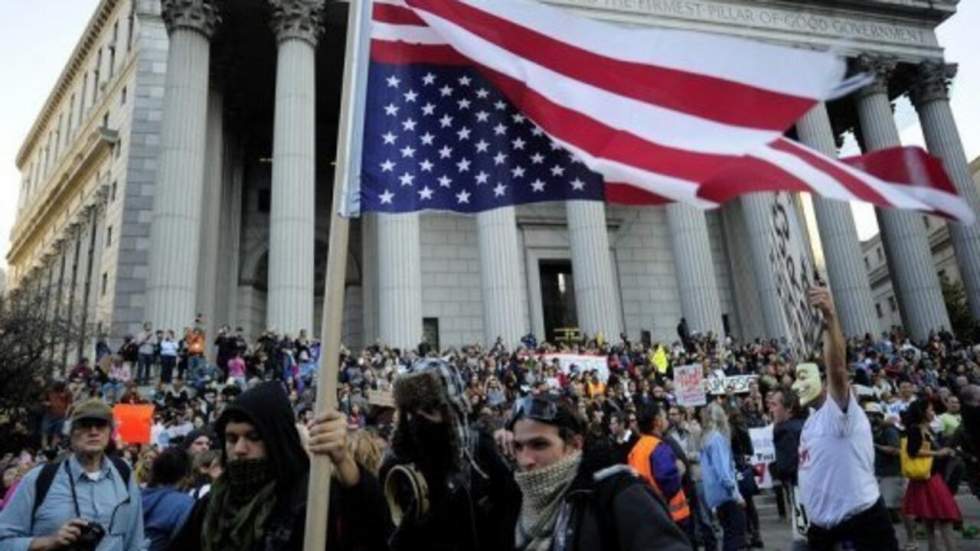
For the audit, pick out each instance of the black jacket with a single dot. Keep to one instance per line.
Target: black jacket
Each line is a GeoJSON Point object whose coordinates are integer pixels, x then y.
{"type": "Point", "coordinates": [786, 440]}
{"type": "Point", "coordinates": [359, 519]}
{"type": "Point", "coordinates": [608, 508]}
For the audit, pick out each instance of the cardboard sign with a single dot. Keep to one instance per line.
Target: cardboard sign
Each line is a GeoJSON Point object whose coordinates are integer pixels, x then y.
{"type": "Point", "coordinates": [765, 453]}
{"type": "Point", "coordinates": [689, 385]}
{"type": "Point", "coordinates": [382, 398]}
{"type": "Point", "coordinates": [133, 422]}
{"type": "Point", "coordinates": [736, 384]}
{"type": "Point", "coordinates": [582, 361]}
{"type": "Point", "coordinates": [793, 273]}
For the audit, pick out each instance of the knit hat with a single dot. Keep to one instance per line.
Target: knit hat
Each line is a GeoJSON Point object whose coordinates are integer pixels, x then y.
{"type": "Point", "coordinates": [93, 408]}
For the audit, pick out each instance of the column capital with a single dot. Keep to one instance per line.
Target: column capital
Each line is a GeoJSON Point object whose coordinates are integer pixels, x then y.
{"type": "Point", "coordinates": [881, 67]}
{"type": "Point", "coordinates": [931, 82]}
{"type": "Point", "coordinates": [197, 15]}
{"type": "Point", "coordinates": [301, 19]}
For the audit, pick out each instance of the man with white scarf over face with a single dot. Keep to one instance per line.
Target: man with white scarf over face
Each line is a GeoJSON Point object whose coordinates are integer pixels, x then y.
{"type": "Point", "coordinates": [576, 497]}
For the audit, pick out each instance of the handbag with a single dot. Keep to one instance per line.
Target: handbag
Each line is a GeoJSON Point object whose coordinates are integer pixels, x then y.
{"type": "Point", "coordinates": [914, 468]}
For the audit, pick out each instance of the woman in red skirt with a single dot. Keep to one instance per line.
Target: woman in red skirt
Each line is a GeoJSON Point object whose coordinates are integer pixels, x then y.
{"type": "Point", "coordinates": [929, 501]}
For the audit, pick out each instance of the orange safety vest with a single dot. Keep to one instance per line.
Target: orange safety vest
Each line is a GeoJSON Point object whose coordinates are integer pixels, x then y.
{"type": "Point", "coordinates": [639, 459]}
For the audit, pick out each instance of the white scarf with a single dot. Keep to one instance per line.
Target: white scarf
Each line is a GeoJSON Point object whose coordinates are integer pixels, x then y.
{"type": "Point", "coordinates": [543, 490]}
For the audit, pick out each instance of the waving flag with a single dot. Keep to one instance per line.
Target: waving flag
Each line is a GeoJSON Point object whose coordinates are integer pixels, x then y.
{"type": "Point", "coordinates": [476, 104]}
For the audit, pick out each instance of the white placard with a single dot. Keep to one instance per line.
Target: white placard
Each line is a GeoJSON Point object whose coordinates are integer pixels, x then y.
{"type": "Point", "coordinates": [689, 385]}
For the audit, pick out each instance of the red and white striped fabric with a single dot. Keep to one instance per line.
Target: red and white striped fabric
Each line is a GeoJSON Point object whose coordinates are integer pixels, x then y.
{"type": "Point", "coordinates": [663, 115]}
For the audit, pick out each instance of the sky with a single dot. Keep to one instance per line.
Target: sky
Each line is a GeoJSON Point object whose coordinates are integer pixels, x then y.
{"type": "Point", "coordinates": [37, 36]}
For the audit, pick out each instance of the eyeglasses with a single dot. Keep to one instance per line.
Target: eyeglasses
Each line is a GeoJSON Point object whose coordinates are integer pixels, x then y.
{"type": "Point", "coordinates": [86, 424]}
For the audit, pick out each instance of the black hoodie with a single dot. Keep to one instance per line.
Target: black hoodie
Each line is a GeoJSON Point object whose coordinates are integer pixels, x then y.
{"type": "Point", "coordinates": [359, 518]}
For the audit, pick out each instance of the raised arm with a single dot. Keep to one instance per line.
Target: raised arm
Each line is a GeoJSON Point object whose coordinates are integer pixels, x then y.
{"type": "Point", "coordinates": [834, 347]}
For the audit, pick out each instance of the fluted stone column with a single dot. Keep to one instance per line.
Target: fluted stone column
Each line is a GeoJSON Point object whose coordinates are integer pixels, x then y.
{"type": "Point", "coordinates": [399, 280]}
{"type": "Point", "coordinates": [695, 269]}
{"type": "Point", "coordinates": [503, 297]}
{"type": "Point", "coordinates": [292, 226]}
{"type": "Point", "coordinates": [909, 256]}
{"type": "Point", "coordinates": [757, 210]}
{"type": "Point", "coordinates": [930, 94]}
{"type": "Point", "coordinates": [229, 242]}
{"type": "Point", "coordinates": [211, 207]}
{"type": "Point", "coordinates": [838, 235]}
{"type": "Point", "coordinates": [595, 295]}
{"type": "Point", "coordinates": [176, 224]}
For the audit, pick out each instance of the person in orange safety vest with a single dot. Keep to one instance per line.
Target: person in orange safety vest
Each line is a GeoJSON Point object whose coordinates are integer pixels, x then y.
{"type": "Point", "coordinates": [655, 461]}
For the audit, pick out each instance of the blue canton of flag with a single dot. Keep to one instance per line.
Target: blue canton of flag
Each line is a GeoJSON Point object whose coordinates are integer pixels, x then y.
{"type": "Point", "coordinates": [442, 138]}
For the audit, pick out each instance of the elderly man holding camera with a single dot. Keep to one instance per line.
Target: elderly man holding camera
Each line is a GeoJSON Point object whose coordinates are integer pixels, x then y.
{"type": "Point", "coordinates": [88, 501]}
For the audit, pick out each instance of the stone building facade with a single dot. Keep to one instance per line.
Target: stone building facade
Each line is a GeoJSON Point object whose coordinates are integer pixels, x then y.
{"type": "Point", "coordinates": [183, 165]}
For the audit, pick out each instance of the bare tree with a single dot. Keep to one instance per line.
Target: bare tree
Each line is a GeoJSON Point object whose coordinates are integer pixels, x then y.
{"type": "Point", "coordinates": [35, 332]}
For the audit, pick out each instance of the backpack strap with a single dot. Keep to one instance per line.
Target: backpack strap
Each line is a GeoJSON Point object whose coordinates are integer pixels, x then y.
{"type": "Point", "coordinates": [41, 486]}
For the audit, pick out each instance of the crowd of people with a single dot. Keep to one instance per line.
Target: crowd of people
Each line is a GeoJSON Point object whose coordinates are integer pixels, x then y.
{"type": "Point", "coordinates": [497, 448]}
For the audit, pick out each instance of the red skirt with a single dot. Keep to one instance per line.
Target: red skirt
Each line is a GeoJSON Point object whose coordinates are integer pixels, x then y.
{"type": "Point", "coordinates": [930, 500]}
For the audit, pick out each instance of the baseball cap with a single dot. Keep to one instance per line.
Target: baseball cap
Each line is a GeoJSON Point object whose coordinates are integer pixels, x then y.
{"type": "Point", "coordinates": [92, 409]}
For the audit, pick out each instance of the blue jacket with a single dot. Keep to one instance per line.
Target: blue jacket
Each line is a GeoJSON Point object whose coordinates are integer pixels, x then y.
{"type": "Point", "coordinates": [718, 471]}
{"type": "Point", "coordinates": [164, 511]}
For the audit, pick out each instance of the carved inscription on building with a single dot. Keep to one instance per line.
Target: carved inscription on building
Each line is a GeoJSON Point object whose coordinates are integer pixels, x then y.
{"type": "Point", "coordinates": [765, 17]}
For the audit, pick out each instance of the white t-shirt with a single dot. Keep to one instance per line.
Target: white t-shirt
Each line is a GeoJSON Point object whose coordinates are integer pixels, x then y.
{"type": "Point", "coordinates": [837, 476]}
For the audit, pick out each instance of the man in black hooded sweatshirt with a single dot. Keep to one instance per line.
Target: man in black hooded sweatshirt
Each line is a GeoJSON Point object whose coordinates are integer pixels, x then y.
{"type": "Point", "coordinates": [259, 502]}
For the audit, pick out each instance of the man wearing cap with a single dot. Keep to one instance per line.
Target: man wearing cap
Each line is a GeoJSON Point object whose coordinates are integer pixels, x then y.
{"type": "Point", "coordinates": [86, 494]}
{"type": "Point", "coordinates": [837, 482]}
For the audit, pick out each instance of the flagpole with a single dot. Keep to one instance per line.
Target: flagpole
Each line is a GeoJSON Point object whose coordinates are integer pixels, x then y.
{"type": "Point", "coordinates": [321, 469]}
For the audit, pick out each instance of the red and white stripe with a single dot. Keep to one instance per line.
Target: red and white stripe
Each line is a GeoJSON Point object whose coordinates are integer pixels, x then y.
{"type": "Point", "coordinates": [663, 115]}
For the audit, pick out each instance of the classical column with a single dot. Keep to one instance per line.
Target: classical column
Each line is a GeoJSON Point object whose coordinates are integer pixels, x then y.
{"type": "Point", "coordinates": [757, 210]}
{"type": "Point", "coordinates": [297, 24]}
{"type": "Point", "coordinates": [503, 297]}
{"type": "Point", "coordinates": [175, 227]}
{"type": "Point", "coordinates": [595, 295]}
{"type": "Point", "coordinates": [930, 95]}
{"type": "Point", "coordinates": [903, 234]}
{"type": "Point", "coordinates": [695, 269]}
{"type": "Point", "coordinates": [838, 235]}
{"type": "Point", "coordinates": [212, 206]}
{"type": "Point", "coordinates": [229, 241]}
{"type": "Point", "coordinates": [399, 280]}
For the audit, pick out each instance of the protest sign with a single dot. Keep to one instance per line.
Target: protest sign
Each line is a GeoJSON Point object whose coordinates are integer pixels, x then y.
{"type": "Point", "coordinates": [735, 384]}
{"type": "Point", "coordinates": [689, 385]}
{"type": "Point", "coordinates": [765, 453]}
{"type": "Point", "coordinates": [583, 362]}
{"type": "Point", "coordinates": [133, 422]}
{"type": "Point", "coordinates": [382, 398]}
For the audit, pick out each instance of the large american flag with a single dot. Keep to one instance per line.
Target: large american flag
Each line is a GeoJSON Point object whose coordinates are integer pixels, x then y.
{"type": "Point", "coordinates": [477, 104]}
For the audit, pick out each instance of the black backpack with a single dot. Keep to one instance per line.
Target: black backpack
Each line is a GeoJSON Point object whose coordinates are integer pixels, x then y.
{"type": "Point", "coordinates": [43, 482]}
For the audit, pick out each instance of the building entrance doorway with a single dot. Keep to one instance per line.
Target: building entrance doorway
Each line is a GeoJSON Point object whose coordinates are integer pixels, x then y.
{"type": "Point", "coordinates": [557, 298]}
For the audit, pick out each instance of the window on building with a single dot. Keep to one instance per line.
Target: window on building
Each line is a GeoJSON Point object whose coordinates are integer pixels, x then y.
{"type": "Point", "coordinates": [130, 26]}
{"type": "Point", "coordinates": [112, 59]}
{"type": "Point", "coordinates": [119, 148]}
{"type": "Point", "coordinates": [880, 254]}
{"type": "Point", "coordinates": [108, 236]}
{"type": "Point", "coordinates": [925, 220]}
{"type": "Point", "coordinates": [867, 263]}
{"type": "Point", "coordinates": [878, 310]}
{"type": "Point", "coordinates": [942, 275]}
{"type": "Point", "coordinates": [96, 81]}
{"type": "Point", "coordinates": [892, 305]}
{"type": "Point", "coordinates": [105, 282]}
{"type": "Point", "coordinates": [105, 120]}
{"type": "Point", "coordinates": [71, 116]}
{"type": "Point", "coordinates": [430, 332]}
{"type": "Point", "coordinates": [81, 103]}
{"type": "Point", "coordinates": [122, 96]}
{"type": "Point", "coordinates": [112, 191]}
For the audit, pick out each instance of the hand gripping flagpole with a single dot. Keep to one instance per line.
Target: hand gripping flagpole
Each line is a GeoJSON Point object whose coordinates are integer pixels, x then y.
{"type": "Point", "coordinates": [345, 171]}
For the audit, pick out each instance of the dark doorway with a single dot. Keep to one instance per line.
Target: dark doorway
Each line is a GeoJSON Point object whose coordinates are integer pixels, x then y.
{"type": "Point", "coordinates": [557, 297]}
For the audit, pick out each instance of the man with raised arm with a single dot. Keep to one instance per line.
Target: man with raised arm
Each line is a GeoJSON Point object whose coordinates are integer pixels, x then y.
{"type": "Point", "coordinates": [837, 482]}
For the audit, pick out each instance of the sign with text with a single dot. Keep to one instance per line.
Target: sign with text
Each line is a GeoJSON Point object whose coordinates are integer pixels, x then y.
{"type": "Point", "coordinates": [583, 363]}
{"type": "Point", "coordinates": [735, 384]}
{"type": "Point", "coordinates": [793, 275]}
{"type": "Point", "coordinates": [765, 453]}
{"type": "Point", "coordinates": [689, 385]}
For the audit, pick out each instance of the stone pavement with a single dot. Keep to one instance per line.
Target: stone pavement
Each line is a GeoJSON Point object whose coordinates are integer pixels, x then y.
{"type": "Point", "coordinates": [776, 533]}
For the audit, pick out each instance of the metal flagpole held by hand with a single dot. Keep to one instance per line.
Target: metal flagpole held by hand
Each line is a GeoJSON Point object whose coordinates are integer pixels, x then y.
{"type": "Point", "coordinates": [321, 469]}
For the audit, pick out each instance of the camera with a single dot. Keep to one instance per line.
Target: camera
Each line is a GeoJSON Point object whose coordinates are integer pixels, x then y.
{"type": "Point", "coordinates": [89, 539]}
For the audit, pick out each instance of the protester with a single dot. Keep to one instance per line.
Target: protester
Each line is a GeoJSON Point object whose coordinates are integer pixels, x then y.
{"type": "Point", "coordinates": [657, 462]}
{"type": "Point", "coordinates": [718, 474]}
{"type": "Point", "coordinates": [927, 498]}
{"type": "Point", "coordinates": [784, 406]}
{"type": "Point", "coordinates": [259, 502]}
{"type": "Point", "coordinates": [836, 472]}
{"type": "Point", "coordinates": [888, 470]}
{"type": "Point", "coordinates": [90, 496]}
{"type": "Point", "coordinates": [165, 506]}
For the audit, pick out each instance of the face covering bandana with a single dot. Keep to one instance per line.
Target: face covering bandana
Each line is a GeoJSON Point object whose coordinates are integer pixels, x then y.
{"type": "Point", "coordinates": [807, 385]}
